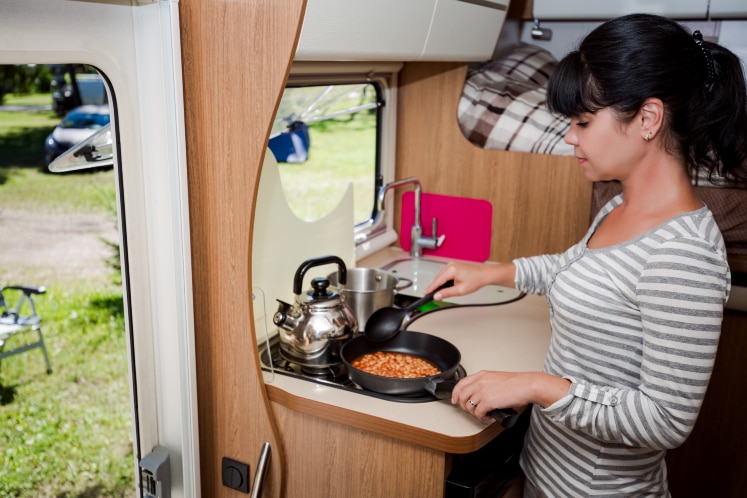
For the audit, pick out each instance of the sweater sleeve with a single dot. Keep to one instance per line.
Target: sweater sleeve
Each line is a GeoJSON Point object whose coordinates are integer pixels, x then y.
{"type": "Point", "coordinates": [533, 274]}
{"type": "Point", "coordinates": [681, 295]}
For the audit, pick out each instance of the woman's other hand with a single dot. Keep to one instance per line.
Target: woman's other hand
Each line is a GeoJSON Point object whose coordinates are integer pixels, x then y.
{"type": "Point", "coordinates": [485, 391]}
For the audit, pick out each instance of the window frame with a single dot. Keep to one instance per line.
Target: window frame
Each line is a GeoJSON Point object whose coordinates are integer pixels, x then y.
{"type": "Point", "coordinates": [378, 231]}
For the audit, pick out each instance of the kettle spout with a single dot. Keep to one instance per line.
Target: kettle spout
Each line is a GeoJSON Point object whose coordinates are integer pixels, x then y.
{"type": "Point", "coordinates": [283, 317]}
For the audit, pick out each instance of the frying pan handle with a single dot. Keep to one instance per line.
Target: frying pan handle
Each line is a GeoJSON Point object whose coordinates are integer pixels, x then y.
{"type": "Point", "coordinates": [507, 417]}
{"type": "Point", "coordinates": [442, 388]}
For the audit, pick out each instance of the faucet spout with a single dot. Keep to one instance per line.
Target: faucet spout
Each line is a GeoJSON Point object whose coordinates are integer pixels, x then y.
{"type": "Point", "coordinates": [399, 183]}
{"type": "Point", "coordinates": [417, 241]}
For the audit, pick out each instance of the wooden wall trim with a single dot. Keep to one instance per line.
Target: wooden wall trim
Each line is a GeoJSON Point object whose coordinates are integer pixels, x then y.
{"type": "Point", "coordinates": [236, 56]}
{"type": "Point", "coordinates": [541, 202]}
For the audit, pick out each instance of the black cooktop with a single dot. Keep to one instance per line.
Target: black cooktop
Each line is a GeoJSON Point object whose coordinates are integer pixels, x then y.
{"type": "Point", "coordinates": [336, 377]}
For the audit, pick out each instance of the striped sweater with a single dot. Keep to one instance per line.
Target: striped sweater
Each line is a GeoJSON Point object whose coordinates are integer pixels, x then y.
{"type": "Point", "coordinates": [635, 328]}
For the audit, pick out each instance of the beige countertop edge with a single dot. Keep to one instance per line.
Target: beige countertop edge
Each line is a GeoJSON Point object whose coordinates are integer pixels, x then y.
{"type": "Point", "coordinates": [386, 425]}
{"type": "Point", "coordinates": [512, 337]}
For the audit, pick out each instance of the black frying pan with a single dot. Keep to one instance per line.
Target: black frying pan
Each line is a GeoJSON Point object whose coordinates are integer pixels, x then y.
{"type": "Point", "coordinates": [438, 351]}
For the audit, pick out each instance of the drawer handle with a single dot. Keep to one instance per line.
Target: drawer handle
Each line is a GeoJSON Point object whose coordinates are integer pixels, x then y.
{"type": "Point", "coordinates": [259, 475]}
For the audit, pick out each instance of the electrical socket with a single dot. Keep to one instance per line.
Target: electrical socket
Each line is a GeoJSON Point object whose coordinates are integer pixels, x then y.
{"type": "Point", "coordinates": [235, 474]}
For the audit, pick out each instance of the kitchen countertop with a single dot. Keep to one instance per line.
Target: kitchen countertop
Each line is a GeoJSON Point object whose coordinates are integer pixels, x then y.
{"type": "Point", "coordinates": [513, 337]}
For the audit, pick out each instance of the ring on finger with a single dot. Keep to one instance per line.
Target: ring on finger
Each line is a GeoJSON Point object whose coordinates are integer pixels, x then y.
{"type": "Point", "coordinates": [472, 403]}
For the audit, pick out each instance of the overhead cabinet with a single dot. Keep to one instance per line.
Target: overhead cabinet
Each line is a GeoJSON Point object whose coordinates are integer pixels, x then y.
{"type": "Point", "coordinates": [386, 30]}
{"type": "Point", "coordinates": [724, 9]}
{"type": "Point", "coordinates": [607, 9]}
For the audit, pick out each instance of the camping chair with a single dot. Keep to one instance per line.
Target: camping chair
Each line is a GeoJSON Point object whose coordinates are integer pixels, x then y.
{"type": "Point", "coordinates": [20, 319]}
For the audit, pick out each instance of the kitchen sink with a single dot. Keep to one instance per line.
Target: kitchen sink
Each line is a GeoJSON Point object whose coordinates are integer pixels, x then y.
{"type": "Point", "coordinates": [421, 271]}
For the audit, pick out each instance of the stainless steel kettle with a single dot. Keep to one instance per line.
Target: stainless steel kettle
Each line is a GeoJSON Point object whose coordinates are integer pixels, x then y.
{"type": "Point", "coordinates": [313, 329]}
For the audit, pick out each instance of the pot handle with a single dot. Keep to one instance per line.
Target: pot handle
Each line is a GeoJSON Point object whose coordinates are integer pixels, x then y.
{"type": "Point", "coordinates": [342, 271]}
{"type": "Point", "coordinates": [406, 281]}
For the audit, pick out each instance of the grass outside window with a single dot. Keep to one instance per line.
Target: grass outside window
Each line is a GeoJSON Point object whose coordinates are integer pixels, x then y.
{"type": "Point", "coordinates": [67, 434]}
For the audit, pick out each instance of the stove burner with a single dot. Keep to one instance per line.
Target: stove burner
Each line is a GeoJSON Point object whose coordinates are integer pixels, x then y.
{"type": "Point", "coordinates": [330, 373]}
{"type": "Point", "coordinates": [336, 376]}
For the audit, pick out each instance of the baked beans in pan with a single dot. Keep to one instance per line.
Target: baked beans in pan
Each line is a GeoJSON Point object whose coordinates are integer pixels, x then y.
{"type": "Point", "coordinates": [400, 365]}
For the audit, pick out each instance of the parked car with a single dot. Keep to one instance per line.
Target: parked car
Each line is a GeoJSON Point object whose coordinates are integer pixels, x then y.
{"type": "Point", "coordinates": [91, 90]}
{"type": "Point", "coordinates": [76, 126]}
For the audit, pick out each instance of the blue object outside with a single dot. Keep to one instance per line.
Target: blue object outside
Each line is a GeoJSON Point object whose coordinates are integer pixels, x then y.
{"type": "Point", "coordinates": [292, 145]}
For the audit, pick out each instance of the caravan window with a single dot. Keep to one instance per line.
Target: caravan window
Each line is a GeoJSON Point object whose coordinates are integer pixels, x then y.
{"type": "Point", "coordinates": [324, 138]}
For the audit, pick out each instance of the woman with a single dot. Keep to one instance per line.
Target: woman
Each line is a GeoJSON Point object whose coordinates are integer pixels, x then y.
{"type": "Point", "coordinates": [636, 306]}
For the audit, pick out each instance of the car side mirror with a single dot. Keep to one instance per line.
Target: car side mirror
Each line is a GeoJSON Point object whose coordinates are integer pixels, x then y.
{"type": "Point", "coordinates": [94, 152]}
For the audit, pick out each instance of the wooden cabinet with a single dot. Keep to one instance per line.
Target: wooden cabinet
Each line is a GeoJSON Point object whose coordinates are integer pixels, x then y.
{"type": "Point", "coordinates": [713, 460]}
{"type": "Point", "coordinates": [330, 459]}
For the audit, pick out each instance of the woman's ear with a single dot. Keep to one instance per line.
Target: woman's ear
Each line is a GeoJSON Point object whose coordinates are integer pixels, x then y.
{"type": "Point", "coordinates": [651, 118]}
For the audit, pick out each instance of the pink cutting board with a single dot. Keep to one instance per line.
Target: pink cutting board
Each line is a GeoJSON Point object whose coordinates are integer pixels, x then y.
{"type": "Point", "coordinates": [467, 224]}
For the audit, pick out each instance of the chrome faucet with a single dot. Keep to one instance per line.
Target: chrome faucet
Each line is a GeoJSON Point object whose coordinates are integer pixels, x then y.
{"type": "Point", "coordinates": [417, 241]}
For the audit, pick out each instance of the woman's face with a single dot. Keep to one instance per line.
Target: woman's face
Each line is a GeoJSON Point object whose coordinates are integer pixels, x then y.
{"type": "Point", "coordinates": [605, 147]}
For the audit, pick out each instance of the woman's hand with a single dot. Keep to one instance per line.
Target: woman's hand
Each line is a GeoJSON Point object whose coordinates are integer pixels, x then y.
{"type": "Point", "coordinates": [469, 277]}
{"type": "Point", "coordinates": [485, 390]}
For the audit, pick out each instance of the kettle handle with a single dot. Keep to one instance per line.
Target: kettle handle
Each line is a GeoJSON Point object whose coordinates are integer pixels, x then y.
{"type": "Point", "coordinates": [342, 270]}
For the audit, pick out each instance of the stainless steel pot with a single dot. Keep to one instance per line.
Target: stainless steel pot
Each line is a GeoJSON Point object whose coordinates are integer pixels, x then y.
{"type": "Point", "coordinates": [368, 289]}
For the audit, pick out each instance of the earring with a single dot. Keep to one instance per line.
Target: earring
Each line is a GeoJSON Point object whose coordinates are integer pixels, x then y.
{"type": "Point", "coordinates": [647, 137]}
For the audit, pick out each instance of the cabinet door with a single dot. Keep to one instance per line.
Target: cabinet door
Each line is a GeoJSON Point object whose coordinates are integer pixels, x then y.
{"type": "Point", "coordinates": [722, 9]}
{"type": "Point", "coordinates": [607, 9]}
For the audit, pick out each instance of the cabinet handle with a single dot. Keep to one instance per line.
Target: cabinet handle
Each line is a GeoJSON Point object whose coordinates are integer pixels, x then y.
{"type": "Point", "coordinates": [259, 475]}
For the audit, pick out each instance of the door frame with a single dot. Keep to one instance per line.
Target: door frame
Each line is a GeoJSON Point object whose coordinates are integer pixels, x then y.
{"type": "Point", "coordinates": [137, 49]}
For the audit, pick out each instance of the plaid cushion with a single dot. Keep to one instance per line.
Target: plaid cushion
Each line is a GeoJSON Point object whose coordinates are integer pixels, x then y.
{"type": "Point", "coordinates": [503, 107]}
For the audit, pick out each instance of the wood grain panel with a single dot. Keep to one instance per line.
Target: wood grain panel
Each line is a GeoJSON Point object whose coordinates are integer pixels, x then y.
{"type": "Point", "coordinates": [236, 56]}
{"type": "Point", "coordinates": [540, 202]}
{"type": "Point", "coordinates": [334, 460]}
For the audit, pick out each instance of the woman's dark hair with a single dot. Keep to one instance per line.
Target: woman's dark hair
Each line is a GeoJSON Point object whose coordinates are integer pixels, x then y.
{"type": "Point", "coordinates": [632, 58]}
